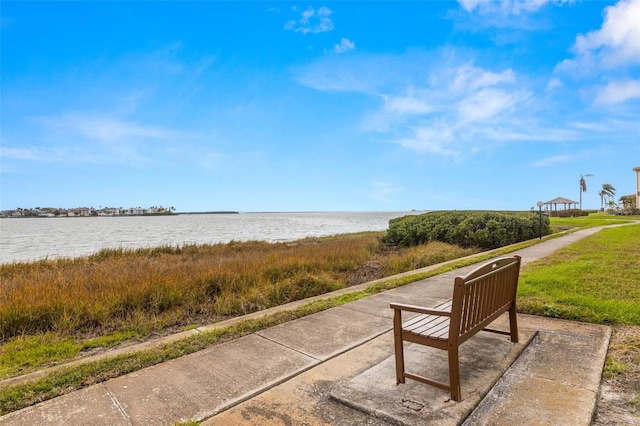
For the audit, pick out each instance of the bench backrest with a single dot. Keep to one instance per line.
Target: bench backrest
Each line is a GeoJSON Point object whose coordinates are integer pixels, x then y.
{"type": "Point", "coordinates": [482, 296]}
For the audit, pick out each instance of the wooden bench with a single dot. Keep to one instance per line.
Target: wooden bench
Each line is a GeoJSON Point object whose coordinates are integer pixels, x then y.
{"type": "Point", "coordinates": [478, 299]}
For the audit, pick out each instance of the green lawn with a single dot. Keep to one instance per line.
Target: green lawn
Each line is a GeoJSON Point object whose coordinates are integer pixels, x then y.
{"type": "Point", "coordinates": [594, 219]}
{"type": "Point", "coordinates": [594, 280]}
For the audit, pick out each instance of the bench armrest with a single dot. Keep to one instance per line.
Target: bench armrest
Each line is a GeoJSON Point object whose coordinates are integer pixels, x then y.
{"type": "Point", "coordinates": [420, 309]}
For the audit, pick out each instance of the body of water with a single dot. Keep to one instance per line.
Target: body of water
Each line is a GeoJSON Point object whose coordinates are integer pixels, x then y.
{"type": "Point", "coordinates": [40, 238]}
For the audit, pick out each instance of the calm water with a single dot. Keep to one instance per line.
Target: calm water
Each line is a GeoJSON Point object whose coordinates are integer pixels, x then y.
{"type": "Point", "coordinates": [39, 238]}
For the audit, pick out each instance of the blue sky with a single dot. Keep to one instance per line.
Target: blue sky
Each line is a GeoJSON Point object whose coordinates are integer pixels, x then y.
{"type": "Point", "coordinates": [318, 106]}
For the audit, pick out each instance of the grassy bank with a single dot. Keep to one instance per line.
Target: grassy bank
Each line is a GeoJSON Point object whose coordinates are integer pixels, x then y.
{"type": "Point", "coordinates": [151, 290]}
{"type": "Point", "coordinates": [54, 310]}
{"type": "Point", "coordinates": [365, 260]}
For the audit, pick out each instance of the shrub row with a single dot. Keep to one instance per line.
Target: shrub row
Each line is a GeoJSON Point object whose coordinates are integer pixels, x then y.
{"type": "Point", "coordinates": [570, 213]}
{"type": "Point", "coordinates": [483, 229]}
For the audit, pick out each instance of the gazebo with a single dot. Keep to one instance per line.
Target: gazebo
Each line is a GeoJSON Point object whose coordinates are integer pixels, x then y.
{"type": "Point", "coordinates": [553, 204]}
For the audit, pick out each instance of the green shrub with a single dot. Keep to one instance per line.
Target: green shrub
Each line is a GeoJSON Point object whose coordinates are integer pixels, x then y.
{"type": "Point", "coordinates": [571, 213]}
{"type": "Point", "coordinates": [483, 229]}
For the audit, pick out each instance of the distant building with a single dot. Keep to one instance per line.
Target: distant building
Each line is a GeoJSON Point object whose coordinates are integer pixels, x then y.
{"type": "Point", "coordinates": [82, 211]}
{"type": "Point", "coordinates": [136, 211]}
{"type": "Point", "coordinates": [637, 170]}
{"type": "Point", "coordinates": [110, 211]}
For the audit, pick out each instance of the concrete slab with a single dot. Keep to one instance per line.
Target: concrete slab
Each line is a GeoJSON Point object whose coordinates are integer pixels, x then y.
{"type": "Point", "coordinates": [328, 333]}
{"type": "Point", "coordinates": [199, 385]}
{"type": "Point", "coordinates": [548, 403]}
{"type": "Point", "coordinates": [304, 400]}
{"type": "Point", "coordinates": [555, 380]}
{"type": "Point", "coordinates": [439, 287]}
{"type": "Point", "coordinates": [91, 406]}
{"type": "Point", "coordinates": [581, 366]}
{"type": "Point", "coordinates": [483, 359]}
{"type": "Point", "coordinates": [379, 304]}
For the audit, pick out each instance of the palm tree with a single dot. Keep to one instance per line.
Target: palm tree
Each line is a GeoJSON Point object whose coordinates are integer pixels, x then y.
{"type": "Point", "coordinates": [583, 186]}
{"type": "Point", "coordinates": [602, 195]}
{"type": "Point", "coordinates": [607, 191]}
{"type": "Point", "coordinates": [628, 202]}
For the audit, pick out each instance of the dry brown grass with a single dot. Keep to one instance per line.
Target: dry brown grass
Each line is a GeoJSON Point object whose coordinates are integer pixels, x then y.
{"type": "Point", "coordinates": [151, 290]}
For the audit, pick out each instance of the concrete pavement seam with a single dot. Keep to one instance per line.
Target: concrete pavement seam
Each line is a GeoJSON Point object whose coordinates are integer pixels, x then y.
{"type": "Point", "coordinates": [287, 377]}
{"type": "Point", "coordinates": [115, 401]}
{"type": "Point", "coordinates": [257, 333]}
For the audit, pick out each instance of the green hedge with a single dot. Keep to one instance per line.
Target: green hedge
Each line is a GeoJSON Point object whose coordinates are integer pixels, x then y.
{"type": "Point", "coordinates": [571, 213]}
{"type": "Point", "coordinates": [483, 229]}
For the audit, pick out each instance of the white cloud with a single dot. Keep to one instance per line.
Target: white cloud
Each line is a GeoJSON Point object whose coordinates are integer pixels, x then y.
{"type": "Point", "coordinates": [510, 16]}
{"type": "Point", "coordinates": [470, 77]}
{"type": "Point", "coordinates": [590, 126]}
{"type": "Point", "coordinates": [84, 138]}
{"type": "Point", "coordinates": [615, 44]}
{"type": "Point", "coordinates": [105, 129]}
{"type": "Point", "coordinates": [611, 53]}
{"type": "Point", "coordinates": [312, 21]}
{"type": "Point", "coordinates": [505, 7]}
{"type": "Point", "coordinates": [433, 103]}
{"type": "Point", "coordinates": [553, 84]}
{"type": "Point", "coordinates": [52, 154]}
{"type": "Point", "coordinates": [488, 103]}
{"type": "Point", "coordinates": [29, 154]}
{"type": "Point", "coordinates": [344, 46]}
{"type": "Point", "coordinates": [619, 91]}
{"type": "Point", "coordinates": [618, 41]}
{"type": "Point", "coordinates": [349, 73]}
{"type": "Point", "coordinates": [407, 105]}
{"type": "Point", "coordinates": [552, 161]}
{"type": "Point", "coordinates": [434, 139]}
{"type": "Point", "coordinates": [469, 5]}
{"type": "Point", "coordinates": [460, 107]}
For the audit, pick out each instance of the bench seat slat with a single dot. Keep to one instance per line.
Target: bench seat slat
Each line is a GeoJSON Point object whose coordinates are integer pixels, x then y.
{"type": "Point", "coordinates": [423, 322]}
{"type": "Point", "coordinates": [431, 326]}
{"type": "Point", "coordinates": [417, 321]}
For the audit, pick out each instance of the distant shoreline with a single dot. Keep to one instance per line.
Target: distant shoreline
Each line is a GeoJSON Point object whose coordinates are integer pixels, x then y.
{"type": "Point", "coordinates": [27, 240]}
{"type": "Point", "coordinates": [213, 212]}
{"type": "Point", "coordinates": [119, 215]}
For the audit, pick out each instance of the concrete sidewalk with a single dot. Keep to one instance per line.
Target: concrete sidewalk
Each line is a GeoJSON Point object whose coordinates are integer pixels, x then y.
{"type": "Point", "coordinates": [336, 367]}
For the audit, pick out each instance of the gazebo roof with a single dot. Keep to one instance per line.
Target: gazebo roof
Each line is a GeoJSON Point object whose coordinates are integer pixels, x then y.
{"type": "Point", "coordinates": [561, 200]}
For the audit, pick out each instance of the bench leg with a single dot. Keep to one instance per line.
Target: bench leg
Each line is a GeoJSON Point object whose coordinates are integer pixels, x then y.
{"type": "Point", "coordinates": [454, 374]}
{"type": "Point", "coordinates": [513, 323]}
{"type": "Point", "coordinates": [399, 347]}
